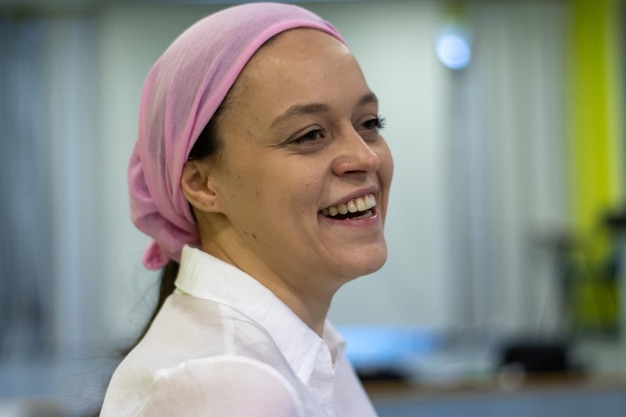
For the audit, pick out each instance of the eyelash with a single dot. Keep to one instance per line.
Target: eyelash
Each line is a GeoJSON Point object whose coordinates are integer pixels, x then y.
{"type": "Point", "coordinates": [377, 123]}
{"type": "Point", "coordinates": [306, 138]}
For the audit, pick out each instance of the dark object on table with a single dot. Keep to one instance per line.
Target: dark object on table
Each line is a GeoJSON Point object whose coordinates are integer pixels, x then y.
{"type": "Point", "coordinates": [538, 356]}
{"type": "Point", "coordinates": [381, 374]}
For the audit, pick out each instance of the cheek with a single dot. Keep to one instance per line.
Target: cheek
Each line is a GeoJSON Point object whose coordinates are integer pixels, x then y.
{"type": "Point", "coordinates": [273, 186]}
{"type": "Point", "coordinates": [238, 186]}
{"type": "Point", "coordinates": [385, 171]}
{"type": "Point", "coordinates": [385, 174]}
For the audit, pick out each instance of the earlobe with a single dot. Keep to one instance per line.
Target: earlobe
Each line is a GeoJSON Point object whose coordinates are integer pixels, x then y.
{"type": "Point", "coordinates": [198, 188]}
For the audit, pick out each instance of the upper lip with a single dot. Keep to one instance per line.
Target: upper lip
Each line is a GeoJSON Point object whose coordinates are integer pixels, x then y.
{"type": "Point", "coordinates": [362, 192]}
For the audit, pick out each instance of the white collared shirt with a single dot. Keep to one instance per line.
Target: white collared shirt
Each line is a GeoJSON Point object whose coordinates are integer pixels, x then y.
{"type": "Point", "coordinates": [224, 345]}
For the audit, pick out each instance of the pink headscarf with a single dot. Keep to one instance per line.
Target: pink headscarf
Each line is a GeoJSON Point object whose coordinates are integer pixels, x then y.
{"type": "Point", "coordinates": [181, 93]}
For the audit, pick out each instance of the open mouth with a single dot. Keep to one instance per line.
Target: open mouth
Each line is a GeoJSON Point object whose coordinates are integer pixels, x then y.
{"type": "Point", "coordinates": [357, 208]}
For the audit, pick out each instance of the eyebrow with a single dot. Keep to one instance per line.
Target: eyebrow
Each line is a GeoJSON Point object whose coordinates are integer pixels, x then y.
{"type": "Point", "coordinates": [312, 108]}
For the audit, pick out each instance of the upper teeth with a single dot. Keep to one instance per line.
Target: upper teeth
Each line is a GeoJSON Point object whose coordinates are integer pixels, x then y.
{"type": "Point", "coordinates": [352, 206]}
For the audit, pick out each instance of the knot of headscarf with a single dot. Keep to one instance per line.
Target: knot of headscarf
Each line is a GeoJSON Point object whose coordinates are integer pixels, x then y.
{"type": "Point", "coordinates": [181, 93]}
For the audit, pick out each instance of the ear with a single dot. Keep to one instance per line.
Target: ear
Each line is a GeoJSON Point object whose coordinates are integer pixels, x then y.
{"type": "Point", "coordinates": [198, 188]}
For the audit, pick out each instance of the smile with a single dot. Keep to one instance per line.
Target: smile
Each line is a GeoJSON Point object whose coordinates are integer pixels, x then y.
{"type": "Point", "coordinates": [357, 208]}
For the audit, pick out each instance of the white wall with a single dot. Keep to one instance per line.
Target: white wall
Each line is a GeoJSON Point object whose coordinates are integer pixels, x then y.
{"type": "Point", "coordinates": [510, 112]}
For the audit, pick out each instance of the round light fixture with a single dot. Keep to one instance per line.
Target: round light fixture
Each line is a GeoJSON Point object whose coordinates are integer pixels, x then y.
{"type": "Point", "coordinates": [453, 49]}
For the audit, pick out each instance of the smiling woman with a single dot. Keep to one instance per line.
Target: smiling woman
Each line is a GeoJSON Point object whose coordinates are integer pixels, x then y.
{"type": "Point", "coordinates": [262, 177]}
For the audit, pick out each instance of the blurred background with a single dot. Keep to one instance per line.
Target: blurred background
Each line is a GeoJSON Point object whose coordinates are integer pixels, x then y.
{"type": "Point", "coordinates": [506, 220]}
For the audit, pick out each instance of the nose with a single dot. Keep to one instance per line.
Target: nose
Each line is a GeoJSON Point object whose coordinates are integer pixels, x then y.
{"type": "Point", "coordinates": [355, 155]}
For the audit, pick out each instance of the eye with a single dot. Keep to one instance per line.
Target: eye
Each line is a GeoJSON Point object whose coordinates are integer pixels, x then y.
{"type": "Point", "coordinates": [376, 123]}
{"type": "Point", "coordinates": [309, 138]}
{"type": "Point", "coordinates": [370, 129]}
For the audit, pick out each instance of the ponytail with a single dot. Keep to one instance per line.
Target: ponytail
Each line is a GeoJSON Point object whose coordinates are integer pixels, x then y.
{"type": "Point", "coordinates": [167, 287]}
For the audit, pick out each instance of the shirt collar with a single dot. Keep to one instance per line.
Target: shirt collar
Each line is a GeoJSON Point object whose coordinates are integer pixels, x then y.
{"type": "Point", "coordinates": [205, 276]}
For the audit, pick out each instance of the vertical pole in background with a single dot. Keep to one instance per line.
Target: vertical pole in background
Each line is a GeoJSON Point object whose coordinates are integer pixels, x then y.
{"type": "Point", "coordinates": [595, 127]}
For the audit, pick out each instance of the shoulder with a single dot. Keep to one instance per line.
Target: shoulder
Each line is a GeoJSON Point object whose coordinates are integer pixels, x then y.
{"type": "Point", "coordinates": [225, 385]}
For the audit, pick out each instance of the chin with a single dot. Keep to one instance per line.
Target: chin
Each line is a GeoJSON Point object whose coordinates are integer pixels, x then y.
{"type": "Point", "coordinates": [367, 263]}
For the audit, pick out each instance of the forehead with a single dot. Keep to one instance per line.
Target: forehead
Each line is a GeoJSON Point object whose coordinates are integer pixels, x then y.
{"type": "Point", "coordinates": [300, 41]}
{"type": "Point", "coordinates": [295, 61]}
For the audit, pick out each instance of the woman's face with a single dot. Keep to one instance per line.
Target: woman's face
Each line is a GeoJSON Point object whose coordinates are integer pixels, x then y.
{"type": "Point", "coordinates": [301, 145]}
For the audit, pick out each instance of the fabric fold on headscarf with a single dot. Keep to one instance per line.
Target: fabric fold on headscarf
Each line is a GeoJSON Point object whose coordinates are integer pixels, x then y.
{"type": "Point", "coordinates": [181, 93]}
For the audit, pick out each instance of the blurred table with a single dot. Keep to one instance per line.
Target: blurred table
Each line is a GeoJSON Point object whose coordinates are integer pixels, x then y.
{"type": "Point", "coordinates": [569, 395]}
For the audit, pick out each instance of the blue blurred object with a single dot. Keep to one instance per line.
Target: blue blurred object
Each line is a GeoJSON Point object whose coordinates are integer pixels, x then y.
{"type": "Point", "coordinates": [386, 352]}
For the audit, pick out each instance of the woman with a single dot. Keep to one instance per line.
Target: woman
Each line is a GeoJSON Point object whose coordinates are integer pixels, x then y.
{"type": "Point", "coordinates": [260, 173]}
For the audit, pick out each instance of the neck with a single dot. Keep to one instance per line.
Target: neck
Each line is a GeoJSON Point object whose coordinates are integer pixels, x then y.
{"type": "Point", "coordinates": [311, 309]}
{"type": "Point", "coordinates": [307, 294]}
{"type": "Point", "coordinates": [302, 294]}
